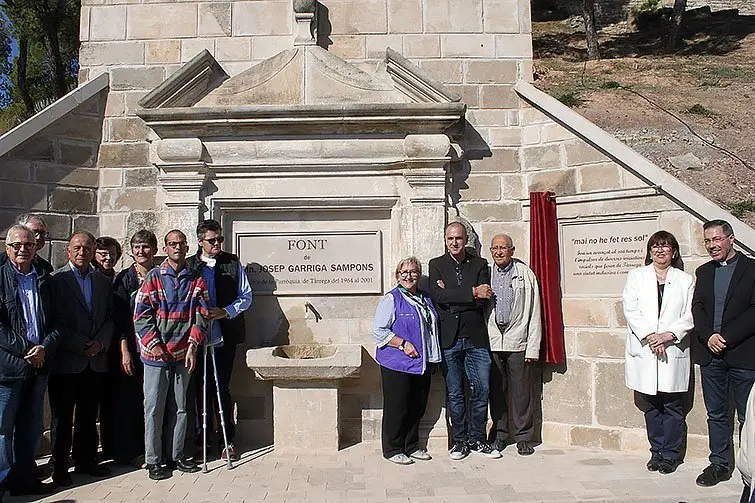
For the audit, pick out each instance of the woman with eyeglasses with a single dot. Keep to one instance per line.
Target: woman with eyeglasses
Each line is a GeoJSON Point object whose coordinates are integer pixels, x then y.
{"type": "Point", "coordinates": [405, 331]}
{"type": "Point", "coordinates": [127, 392]}
{"type": "Point", "coordinates": [107, 253]}
{"type": "Point", "coordinates": [657, 303]}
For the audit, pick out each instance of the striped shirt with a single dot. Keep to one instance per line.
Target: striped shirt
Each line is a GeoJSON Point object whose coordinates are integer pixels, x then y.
{"type": "Point", "coordinates": [170, 308]}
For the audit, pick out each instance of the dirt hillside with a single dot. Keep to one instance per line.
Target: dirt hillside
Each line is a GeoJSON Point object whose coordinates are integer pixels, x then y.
{"type": "Point", "coordinates": [699, 100]}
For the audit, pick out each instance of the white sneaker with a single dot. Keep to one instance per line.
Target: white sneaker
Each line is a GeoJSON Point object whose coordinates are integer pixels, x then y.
{"type": "Point", "coordinates": [421, 454]}
{"type": "Point", "coordinates": [400, 459]}
{"type": "Point", "coordinates": [485, 449]}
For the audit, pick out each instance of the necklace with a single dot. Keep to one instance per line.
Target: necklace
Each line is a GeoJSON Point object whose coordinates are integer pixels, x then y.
{"type": "Point", "coordinates": [661, 275]}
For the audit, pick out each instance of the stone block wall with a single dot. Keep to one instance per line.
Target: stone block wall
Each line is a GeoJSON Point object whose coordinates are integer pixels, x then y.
{"type": "Point", "coordinates": [54, 173]}
{"type": "Point", "coordinates": [587, 403]}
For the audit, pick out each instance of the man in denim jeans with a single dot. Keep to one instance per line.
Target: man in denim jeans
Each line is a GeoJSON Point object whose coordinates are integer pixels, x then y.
{"type": "Point", "coordinates": [460, 286]}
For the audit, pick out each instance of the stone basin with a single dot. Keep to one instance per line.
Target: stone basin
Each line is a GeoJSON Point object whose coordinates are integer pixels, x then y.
{"type": "Point", "coordinates": [305, 362]}
{"type": "Point", "coordinates": [305, 381]}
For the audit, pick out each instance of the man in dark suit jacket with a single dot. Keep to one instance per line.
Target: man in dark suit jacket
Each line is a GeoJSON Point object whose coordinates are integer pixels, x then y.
{"type": "Point", "coordinates": [723, 308]}
{"type": "Point", "coordinates": [459, 285]}
{"type": "Point", "coordinates": [84, 308]}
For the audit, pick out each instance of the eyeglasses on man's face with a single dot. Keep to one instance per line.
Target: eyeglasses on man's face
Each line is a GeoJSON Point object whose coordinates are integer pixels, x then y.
{"type": "Point", "coordinates": [501, 248]}
{"type": "Point", "coordinates": [717, 240]}
{"type": "Point", "coordinates": [406, 274]}
{"type": "Point", "coordinates": [18, 245]}
{"type": "Point", "coordinates": [176, 244]}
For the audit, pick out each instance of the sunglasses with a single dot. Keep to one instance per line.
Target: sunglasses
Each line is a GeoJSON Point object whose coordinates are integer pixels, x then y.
{"type": "Point", "coordinates": [215, 241]}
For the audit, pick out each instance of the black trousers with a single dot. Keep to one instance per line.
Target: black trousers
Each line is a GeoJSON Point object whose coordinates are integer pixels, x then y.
{"type": "Point", "coordinates": [404, 403]}
{"type": "Point", "coordinates": [224, 358]}
{"type": "Point", "coordinates": [122, 414]}
{"type": "Point", "coordinates": [81, 391]}
{"type": "Point", "coordinates": [510, 371]}
{"type": "Point", "coordinates": [664, 420]}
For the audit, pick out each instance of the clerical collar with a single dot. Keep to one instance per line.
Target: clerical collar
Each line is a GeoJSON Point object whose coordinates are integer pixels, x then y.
{"type": "Point", "coordinates": [724, 263]}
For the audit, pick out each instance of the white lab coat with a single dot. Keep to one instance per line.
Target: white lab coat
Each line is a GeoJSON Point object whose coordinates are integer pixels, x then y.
{"type": "Point", "coordinates": [644, 371]}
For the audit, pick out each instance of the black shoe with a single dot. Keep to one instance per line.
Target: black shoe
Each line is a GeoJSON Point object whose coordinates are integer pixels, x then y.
{"type": "Point", "coordinates": [654, 464]}
{"type": "Point", "coordinates": [485, 449]}
{"type": "Point", "coordinates": [158, 472]}
{"type": "Point", "coordinates": [187, 466]}
{"type": "Point", "coordinates": [460, 450]}
{"type": "Point", "coordinates": [93, 470]}
{"type": "Point", "coordinates": [35, 488]}
{"type": "Point", "coordinates": [499, 444]}
{"type": "Point", "coordinates": [665, 467]}
{"type": "Point", "coordinates": [713, 475]}
{"type": "Point", "coordinates": [524, 448]}
{"type": "Point", "coordinates": [62, 479]}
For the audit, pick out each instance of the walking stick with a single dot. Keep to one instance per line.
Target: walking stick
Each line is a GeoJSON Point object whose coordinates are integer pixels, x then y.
{"type": "Point", "coordinates": [220, 407]}
{"type": "Point", "coordinates": [204, 405]}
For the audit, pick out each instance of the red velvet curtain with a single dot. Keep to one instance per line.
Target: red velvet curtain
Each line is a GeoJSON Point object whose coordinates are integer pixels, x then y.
{"type": "Point", "coordinates": [544, 261]}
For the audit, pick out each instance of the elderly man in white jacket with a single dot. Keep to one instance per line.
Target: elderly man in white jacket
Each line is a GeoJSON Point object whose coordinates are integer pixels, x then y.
{"type": "Point", "coordinates": [515, 331]}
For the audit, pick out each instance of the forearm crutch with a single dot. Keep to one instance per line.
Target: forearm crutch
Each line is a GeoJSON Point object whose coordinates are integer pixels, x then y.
{"type": "Point", "coordinates": [220, 408]}
{"type": "Point", "coordinates": [204, 406]}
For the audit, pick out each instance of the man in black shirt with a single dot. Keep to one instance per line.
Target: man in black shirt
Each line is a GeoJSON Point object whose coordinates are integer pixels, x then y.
{"type": "Point", "coordinates": [459, 286]}
{"type": "Point", "coordinates": [723, 308]}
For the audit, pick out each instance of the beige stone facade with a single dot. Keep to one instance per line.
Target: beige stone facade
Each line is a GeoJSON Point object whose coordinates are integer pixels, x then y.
{"type": "Point", "coordinates": [418, 111]}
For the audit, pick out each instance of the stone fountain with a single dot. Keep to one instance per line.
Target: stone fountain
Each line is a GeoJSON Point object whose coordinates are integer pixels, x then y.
{"type": "Point", "coordinates": [305, 380]}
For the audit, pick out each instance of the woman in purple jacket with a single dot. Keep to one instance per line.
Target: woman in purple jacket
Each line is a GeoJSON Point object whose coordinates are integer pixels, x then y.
{"type": "Point", "coordinates": [405, 331]}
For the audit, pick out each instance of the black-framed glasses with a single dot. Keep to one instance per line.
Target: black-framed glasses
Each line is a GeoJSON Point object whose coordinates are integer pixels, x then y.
{"type": "Point", "coordinates": [666, 247]}
{"type": "Point", "coordinates": [406, 274]}
{"type": "Point", "coordinates": [176, 244]}
{"type": "Point", "coordinates": [18, 245]}
{"type": "Point", "coordinates": [215, 241]}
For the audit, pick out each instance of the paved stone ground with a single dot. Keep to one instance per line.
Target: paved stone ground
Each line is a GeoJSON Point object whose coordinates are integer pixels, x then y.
{"type": "Point", "coordinates": [359, 474]}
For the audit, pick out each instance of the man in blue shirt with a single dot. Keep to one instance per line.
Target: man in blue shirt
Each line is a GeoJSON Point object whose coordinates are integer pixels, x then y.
{"type": "Point", "coordinates": [27, 340]}
{"type": "Point", "coordinates": [230, 295]}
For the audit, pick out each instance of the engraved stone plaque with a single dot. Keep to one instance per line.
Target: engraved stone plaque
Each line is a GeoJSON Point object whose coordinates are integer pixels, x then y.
{"type": "Point", "coordinates": [596, 255]}
{"type": "Point", "coordinates": [312, 263]}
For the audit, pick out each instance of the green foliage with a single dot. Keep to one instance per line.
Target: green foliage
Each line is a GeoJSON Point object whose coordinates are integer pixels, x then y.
{"type": "Point", "coordinates": [739, 208]}
{"type": "Point", "coordinates": [570, 98]}
{"type": "Point", "coordinates": [11, 116]}
{"type": "Point", "coordinates": [646, 6]}
{"type": "Point", "coordinates": [48, 30]}
{"type": "Point", "coordinates": [698, 109]}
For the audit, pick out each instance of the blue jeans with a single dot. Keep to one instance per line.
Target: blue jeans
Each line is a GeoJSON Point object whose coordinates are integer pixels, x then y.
{"type": "Point", "coordinates": [718, 378]}
{"type": "Point", "coordinates": [463, 359]}
{"type": "Point", "coordinates": [21, 427]}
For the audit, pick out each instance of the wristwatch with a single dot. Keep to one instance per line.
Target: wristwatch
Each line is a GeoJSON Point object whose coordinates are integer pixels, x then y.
{"type": "Point", "coordinates": [402, 345]}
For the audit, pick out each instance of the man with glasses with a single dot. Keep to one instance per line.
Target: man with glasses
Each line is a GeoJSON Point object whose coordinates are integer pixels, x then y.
{"type": "Point", "coordinates": [515, 330]}
{"type": "Point", "coordinates": [460, 286]}
{"type": "Point", "coordinates": [39, 228]}
{"type": "Point", "coordinates": [84, 308]}
{"type": "Point", "coordinates": [230, 295]}
{"type": "Point", "coordinates": [170, 319]}
{"type": "Point", "coordinates": [723, 308]}
{"type": "Point", "coordinates": [27, 340]}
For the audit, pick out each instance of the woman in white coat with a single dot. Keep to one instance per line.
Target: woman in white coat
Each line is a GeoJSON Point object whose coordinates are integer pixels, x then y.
{"type": "Point", "coordinates": [658, 308]}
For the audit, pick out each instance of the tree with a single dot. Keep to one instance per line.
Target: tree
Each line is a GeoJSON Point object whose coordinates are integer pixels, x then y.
{"type": "Point", "coordinates": [591, 31]}
{"type": "Point", "coordinates": [46, 67]}
{"type": "Point", "coordinates": [675, 31]}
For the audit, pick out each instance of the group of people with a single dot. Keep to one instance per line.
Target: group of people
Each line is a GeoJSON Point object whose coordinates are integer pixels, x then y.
{"type": "Point", "coordinates": [482, 325]}
{"type": "Point", "coordinates": [674, 320]}
{"type": "Point", "coordinates": [123, 348]}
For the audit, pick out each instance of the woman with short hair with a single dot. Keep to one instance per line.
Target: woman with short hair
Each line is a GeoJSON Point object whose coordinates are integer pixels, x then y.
{"type": "Point", "coordinates": [657, 303]}
{"type": "Point", "coordinates": [405, 331]}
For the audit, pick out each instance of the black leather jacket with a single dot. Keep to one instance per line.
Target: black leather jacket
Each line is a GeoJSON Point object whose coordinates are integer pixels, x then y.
{"type": "Point", "coordinates": [13, 342]}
